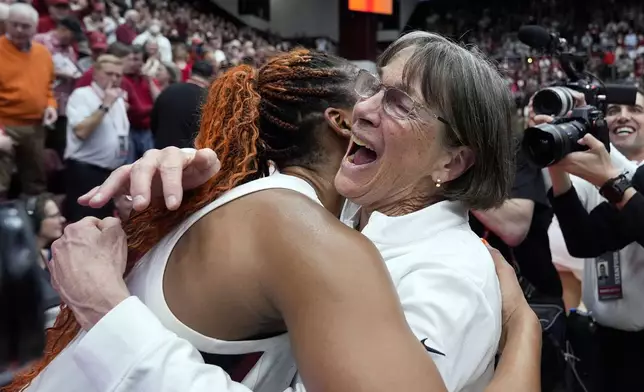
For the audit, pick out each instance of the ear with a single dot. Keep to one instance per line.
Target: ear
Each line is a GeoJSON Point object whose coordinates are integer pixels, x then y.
{"type": "Point", "coordinates": [339, 121]}
{"type": "Point", "coordinates": [455, 162]}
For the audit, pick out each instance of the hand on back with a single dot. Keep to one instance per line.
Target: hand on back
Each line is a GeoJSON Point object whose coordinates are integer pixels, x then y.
{"type": "Point", "coordinates": [163, 173]}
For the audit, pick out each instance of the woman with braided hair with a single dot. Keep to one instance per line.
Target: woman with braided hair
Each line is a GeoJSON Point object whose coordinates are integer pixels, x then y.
{"type": "Point", "coordinates": [235, 305]}
{"type": "Point", "coordinates": [302, 271]}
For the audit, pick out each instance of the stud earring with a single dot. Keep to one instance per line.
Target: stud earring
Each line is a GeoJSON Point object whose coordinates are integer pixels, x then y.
{"type": "Point", "coordinates": [438, 183]}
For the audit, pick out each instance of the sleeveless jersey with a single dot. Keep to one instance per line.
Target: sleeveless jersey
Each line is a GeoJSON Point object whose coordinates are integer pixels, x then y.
{"type": "Point", "coordinates": [263, 365]}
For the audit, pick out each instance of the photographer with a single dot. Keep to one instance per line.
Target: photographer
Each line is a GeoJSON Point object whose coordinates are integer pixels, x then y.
{"type": "Point", "coordinates": [613, 282]}
{"type": "Point", "coordinates": [615, 223]}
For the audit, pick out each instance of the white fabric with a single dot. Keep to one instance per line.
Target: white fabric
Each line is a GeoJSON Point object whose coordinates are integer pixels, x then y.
{"type": "Point", "coordinates": [560, 257]}
{"type": "Point", "coordinates": [165, 48]}
{"type": "Point", "coordinates": [447, 285]}
{"type": "Point", "coordinates": [444, 275]}
{"type": "Point", "coordinates": [273, 372]}
{"type": "Point", "coordinates": [104, 147]}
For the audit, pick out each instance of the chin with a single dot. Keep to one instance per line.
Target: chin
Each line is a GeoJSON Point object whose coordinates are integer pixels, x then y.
{"type": "Point", "coordinates": [347, 187]}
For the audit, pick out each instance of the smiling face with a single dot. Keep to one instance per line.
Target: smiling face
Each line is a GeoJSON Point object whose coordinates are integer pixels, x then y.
{"type": "Point", "coordinates": [435, 124]}
{"type": "Point", "coordinates": [626, 126]}
{"type": "Point", "coordinates": [391, 156]}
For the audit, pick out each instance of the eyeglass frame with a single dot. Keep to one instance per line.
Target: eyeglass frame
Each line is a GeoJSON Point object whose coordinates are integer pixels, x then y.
{"type": "Point", "coordinates": [416, 105]}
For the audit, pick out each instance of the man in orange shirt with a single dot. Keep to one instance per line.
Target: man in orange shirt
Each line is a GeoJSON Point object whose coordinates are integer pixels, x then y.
{"type": "Point", "coordinates": [26, 100]}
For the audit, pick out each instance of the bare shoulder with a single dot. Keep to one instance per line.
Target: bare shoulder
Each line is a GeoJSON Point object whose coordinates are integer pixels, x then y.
{"type": "Point", "coordinates": [301, 225]}
{"type": "Point", "coordinates": [295, 235]}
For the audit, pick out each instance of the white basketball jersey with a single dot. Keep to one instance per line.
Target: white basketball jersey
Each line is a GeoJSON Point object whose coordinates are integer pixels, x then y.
{"type": "Point", "coordinates": [265, 365]}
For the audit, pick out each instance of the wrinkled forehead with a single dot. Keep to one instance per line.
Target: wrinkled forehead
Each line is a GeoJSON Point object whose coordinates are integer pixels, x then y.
{"type": "Point", "coordinates": [396, 73]}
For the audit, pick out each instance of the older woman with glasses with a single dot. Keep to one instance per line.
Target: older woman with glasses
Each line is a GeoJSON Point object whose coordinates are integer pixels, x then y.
{"type": "Point", "coordinates": [429, 140]}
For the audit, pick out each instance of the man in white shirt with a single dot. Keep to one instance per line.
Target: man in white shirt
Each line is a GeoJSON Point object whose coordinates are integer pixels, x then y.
{"type": "Point", "coordinates": [615, 303]}
{"type": "Point", "coordinates": [154, 34]}
{"type": "Point", "coordinates": [97, 135]}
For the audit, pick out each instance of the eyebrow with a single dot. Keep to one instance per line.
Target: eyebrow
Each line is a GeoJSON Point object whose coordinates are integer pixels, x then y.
{"type": "Point", "coordinates": [399, 84]}
{"type": "Point", "coordinates": [630, 106]}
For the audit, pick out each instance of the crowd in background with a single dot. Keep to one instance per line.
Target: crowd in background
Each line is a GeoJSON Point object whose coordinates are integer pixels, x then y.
{"type": "Point", "coordinates": [610, 35]}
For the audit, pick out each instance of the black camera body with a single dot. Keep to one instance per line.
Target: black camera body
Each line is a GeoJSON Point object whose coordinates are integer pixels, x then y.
{"type": "Point", "coordinates": [22, 320]}
{"type": "Point", "coordinates": [547, 144]}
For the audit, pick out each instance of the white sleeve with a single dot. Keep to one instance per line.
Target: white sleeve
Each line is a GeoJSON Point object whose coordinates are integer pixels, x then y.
{"type": "Point", "coordinates": [449, 313]}
{"type": "Point", "coordinates": [77, 108]}
{"type": "Point", "coordinates": [130, 350]}
{"type": "Point", "coordinates": [621, 162]}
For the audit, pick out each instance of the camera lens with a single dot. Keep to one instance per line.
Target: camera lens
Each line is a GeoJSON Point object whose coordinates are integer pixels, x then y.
{"type": "Point", "coordinates": [546, 144]}
{"type": "Point", "coordinates": [553, 101]}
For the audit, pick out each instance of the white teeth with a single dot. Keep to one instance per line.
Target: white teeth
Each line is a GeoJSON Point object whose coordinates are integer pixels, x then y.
{"type": "Point", "coordinates": [624, 130]}
{"type": "Point", "coordinates": [358, 142]}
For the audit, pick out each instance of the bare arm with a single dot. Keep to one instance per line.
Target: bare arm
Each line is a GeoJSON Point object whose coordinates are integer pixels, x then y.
{"type": "Point", "coordinates": [340, 307]}
{"type": "Point", "coordinates": [85, 128]}
{"type": "Point", "coordinates": [520, 366]}
{"type": "Point", "coordinates": [511, 221]}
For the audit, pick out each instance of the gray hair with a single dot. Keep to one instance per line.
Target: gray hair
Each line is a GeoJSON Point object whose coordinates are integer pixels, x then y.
{"type": "Point", "coordinates": [466, 90]}
{"type": "Point", "coordinates": [129, 14]}
{"type": "Point", "coordinates": [22, 9]}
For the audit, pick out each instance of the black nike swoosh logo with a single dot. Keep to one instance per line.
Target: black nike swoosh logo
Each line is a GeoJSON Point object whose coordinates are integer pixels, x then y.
{"type": "Point", "coordinates": [429, 349]}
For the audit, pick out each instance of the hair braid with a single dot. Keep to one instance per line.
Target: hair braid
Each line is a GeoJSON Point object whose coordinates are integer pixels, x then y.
{"type": "Point", "coordinates": [282, 99]}
{"type": "Point", "coordinates": [229, 126]}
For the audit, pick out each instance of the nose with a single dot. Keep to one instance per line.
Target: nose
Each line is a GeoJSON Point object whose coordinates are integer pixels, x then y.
{"type": "Point", "coordinates": [368, 110]}
{"type": "Point", "coordinates": [623, 115]}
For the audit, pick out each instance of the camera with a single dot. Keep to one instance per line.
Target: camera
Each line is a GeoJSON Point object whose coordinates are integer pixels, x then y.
{"type": "Point", "coordinates": [22, 321]}
{"type": "Point", "coordinates": [546, 144]}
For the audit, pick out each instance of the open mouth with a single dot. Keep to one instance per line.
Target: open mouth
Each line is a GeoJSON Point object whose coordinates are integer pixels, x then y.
{"type": "Point", "coordinates": [624, 131]}
{"type": "Point", "coordinates": [359, 154]}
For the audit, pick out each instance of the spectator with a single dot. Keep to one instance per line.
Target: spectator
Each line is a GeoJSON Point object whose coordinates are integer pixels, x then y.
{"type": "Point", "coordinates": [47, 223]}
{"type": "Point", "coordinates": [176, 113]}
{"type": "Point", "coordinates": [97, 20]}
{"type": "Point", "coordinates": [117, 49]}
{"type": "Point", "coordinates": [98, 46]}
{"type": "Point", "coordinates": [153, 34]}
{"type": "Point", "coordinates": [97, 136]}
{"type": "Point", "coordinates": [27, 75]}
{"type": "Point", "coordinates": [126, 33]}
{"type": "Point", "coordinates": [142, 91]}
{"type": "Point", "coordinates": [166, 75]}
{"type": "Point", "coordinates": [152, 59]}
{"type": "Point", "coordinates": [58, 9]}
{"type": "Point", "coordinates": [182, 61]}
{"type": "Point", "coordinates": [60, 43]}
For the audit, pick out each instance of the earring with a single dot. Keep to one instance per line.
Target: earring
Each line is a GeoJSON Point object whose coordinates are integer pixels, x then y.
{"type": "Point", "coordinates": [438, 183]}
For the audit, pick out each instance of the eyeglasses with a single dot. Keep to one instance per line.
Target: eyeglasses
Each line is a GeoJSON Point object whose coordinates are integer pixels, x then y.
{"type": "Point", "coordinates": [396, 103]}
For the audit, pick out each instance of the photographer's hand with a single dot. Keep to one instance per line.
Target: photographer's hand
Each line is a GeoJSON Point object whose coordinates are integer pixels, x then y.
{"type": "Point", "coordinates": [593, 165]}
{"type": "Point", "coordinates": [87, 268]}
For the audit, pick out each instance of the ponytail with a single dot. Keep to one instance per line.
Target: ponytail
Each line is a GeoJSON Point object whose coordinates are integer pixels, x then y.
{"type": "Point", "coordinates": [229, 125]}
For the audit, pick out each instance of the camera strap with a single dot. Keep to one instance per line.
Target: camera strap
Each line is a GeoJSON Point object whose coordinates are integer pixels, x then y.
{"type": "Point", "coordinates": [609, 276]}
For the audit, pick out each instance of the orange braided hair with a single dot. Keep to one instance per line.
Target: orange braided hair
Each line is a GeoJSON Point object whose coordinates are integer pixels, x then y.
{"type": "Point", "coordinates": [280, 97]}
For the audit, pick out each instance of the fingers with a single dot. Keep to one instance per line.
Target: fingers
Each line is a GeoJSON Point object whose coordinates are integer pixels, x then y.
{"type": "Point", "coordinates": [82, 226]}
{"type": "Point", "coordinates": [115, 185]}
{"type": "Point", "coordinates": [580, 98]}
{"type": "Point", "coordinates": [108, 223]}
{"type": "Point", "coordinates": [591, 142]}
{"type": "Point", "coordinates": [171, 167]}
{"type": "Point", "coordinates": [206, 160]}
{"type": "Point", "coordinates": [84, 200]}
{"type": "Point", "coordinates": [541, 119]}
{"type": "Point", "coordinates": [141, 176]}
